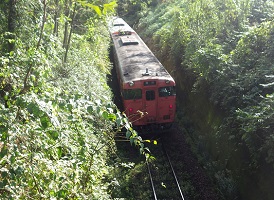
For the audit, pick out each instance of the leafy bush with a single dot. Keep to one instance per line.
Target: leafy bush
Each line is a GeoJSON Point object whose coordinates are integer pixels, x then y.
{"type": "Point", "coordinates": [57, 118]}
{"type": "Point", "coordinates": [229, 47]}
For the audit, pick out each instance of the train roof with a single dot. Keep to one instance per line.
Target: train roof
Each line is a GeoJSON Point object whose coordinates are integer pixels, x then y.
{"type": "Point", "coordinates": [136, 61]}
{"type": "Point", "coordinates": [117, 25]}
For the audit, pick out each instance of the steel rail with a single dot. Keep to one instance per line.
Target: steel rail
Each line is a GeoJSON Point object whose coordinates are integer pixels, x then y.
{"type": "Point", "coordinates": [173, 172]}
{"type": "Point", "coordinates": [151, 181]}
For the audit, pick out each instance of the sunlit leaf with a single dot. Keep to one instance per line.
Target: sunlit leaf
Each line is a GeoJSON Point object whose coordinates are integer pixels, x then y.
{"type": "Point", "coordinates": [112, 117]}
{"type": "Point", "coordinates": [97, 9]}
{"type": "Point", "coordinates": [105, 114]}
{"type": "Point", "coordinates": [109, 7]}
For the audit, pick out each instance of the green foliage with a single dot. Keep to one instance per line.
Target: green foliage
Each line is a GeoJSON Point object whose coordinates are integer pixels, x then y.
{"type": "Point", "coordinates": [53, 145]}
{"type": "Point", "coordinates": [57, 119]}
{"type": "Point", "coordinates": [217, 40]}
{"type": "Point", "coordinates": [107, 8]}
{"type": "Point", "coordinates": [134, 10]}
{"type": "Point", "coordinates": [226, 47]}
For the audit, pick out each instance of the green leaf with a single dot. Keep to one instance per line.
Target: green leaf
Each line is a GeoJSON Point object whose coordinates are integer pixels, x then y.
{"type": "Point", "coordinates": [34, 109]}
{"type": "Point", "coordinates": [105, 114]}
{"type": "Point", "coordinates": [4, 173]}
{"type": "Point", "coordinates": [12, 159]}
{"type": "Point", "coordinates": [62, 105]}
{"type": "Point", "coordinates": [118, 122]}
{"type": "Point", "coordinates": [97, 10]}
{"type": "Point", "coordinates": [69, 106]}
{"type": "Point", "coordinates": [19, 102]}
{"type": "Point", "coordinates": [45, 122]}
{"type": "Point", "coordinates": [59, 151]}
{"type": "Point", "coordinates": [4, 133]}
{"type": "Point", "coordinates": [4, 151]}
{"type": "Point", "coordinates": [112, 117]}
{"type": "Point", "coordinates": [90, 109]}
{"type": "Point", "coordinates": [132, 140]}
{"type": "Point", "coordinates": [4, 183]}
{"type": "Point", "coordinates": [109, 7]}
{"type": "Point", "coordinates": [62, 194]}
{"type": "Point", "coordinates": [98, 109]}
{"type": "Point", "coordinates": [33, 78]}
{"type": "Point", "coordinates": [128, 134]}
{"type": "Point", "coordinates": [53, 135]}
{"type": "Point", "coordinates": [141, 150]}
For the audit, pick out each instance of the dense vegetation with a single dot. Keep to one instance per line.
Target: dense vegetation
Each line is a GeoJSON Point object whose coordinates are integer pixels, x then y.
{"type": "Point", "coordinates": [222, 57]}
{"type": "Point", "coordinates": [57, 119]}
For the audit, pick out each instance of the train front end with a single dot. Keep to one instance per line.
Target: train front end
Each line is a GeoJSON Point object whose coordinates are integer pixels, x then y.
{"type": "Point", "coordinates": [150, 102]}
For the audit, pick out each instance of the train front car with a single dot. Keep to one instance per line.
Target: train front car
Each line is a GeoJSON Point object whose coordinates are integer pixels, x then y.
{"type": "Point", "coordinates": [147, 89]}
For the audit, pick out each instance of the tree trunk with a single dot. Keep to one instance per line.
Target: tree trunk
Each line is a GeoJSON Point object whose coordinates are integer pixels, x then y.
{"type": "Point", "coordinates": [11, 23]}
{"type": "Point", "coordinates": [67, 16]}
{"type": "Point", "coordinates": [43, 24]}
{"type": "Point", "coordinates": [71, 29]}
{"type": "Point", "coordinates": [56, 16]}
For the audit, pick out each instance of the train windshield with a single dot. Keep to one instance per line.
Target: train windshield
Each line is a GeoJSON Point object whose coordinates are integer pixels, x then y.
{"type": "Point", "coordinates": [167, 91]}
{"type": "Point", "coordinates": [132, 94]}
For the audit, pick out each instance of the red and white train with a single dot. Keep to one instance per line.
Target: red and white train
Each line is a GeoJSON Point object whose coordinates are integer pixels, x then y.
{"type": "Point", "coordinates": [147, 89]}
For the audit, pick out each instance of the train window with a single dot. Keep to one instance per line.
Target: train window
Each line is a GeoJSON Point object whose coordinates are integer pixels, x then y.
{"type": "Point", "coordinates": [147, 83]}
{"type": "Point", "coordinates": [132, 94]}
{"type": "Point", "coordinates": [150, 95]}
{"type": "Point", "coordinates": [167, 91]}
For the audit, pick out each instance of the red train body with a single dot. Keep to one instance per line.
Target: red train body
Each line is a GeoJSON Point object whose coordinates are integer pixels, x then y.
{"type": "Point", "coordinates": [147, 89]}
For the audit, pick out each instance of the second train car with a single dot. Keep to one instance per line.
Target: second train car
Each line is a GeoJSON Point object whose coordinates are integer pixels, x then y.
{"type": "Point", "coordinates": [147, 89]}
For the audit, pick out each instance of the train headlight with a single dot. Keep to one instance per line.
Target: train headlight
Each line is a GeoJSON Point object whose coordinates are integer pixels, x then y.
{"type": "Point", "coordinates": [167, 81]}
{"type": "Point", "coordinates": [131, 83]}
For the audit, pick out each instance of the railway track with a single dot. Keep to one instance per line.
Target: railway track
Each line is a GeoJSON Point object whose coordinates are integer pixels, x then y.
{"type": "Point", "coordinates": [163, 179]}
{"type": "Point", "coordinates": [192, 182]}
